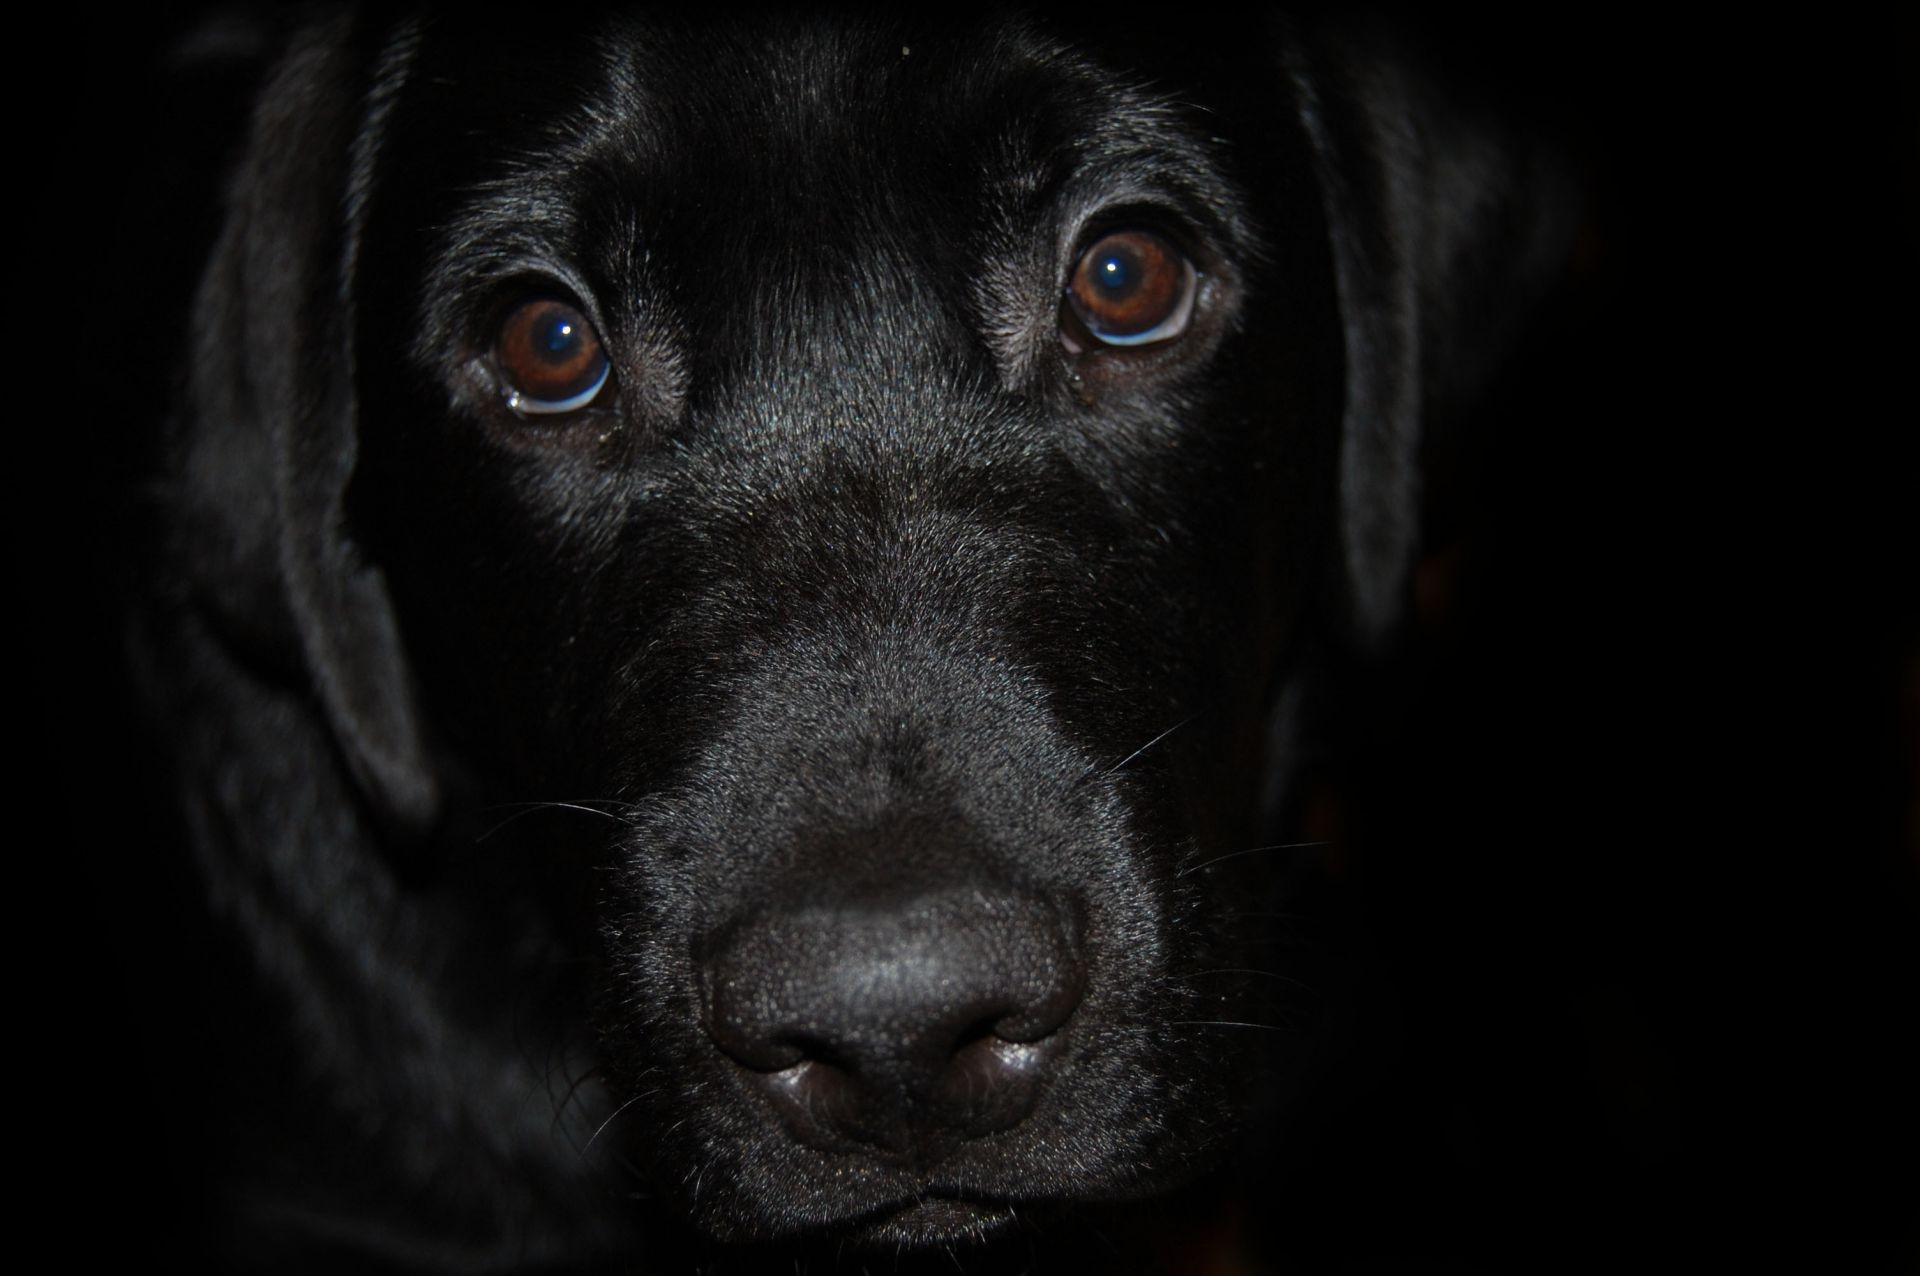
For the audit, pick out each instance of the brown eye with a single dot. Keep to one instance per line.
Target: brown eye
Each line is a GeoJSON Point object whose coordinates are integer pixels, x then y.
{"type": "Point", "coordinates": [1133, 288]}
{"type": "Point", "coordinates": [550, 358]}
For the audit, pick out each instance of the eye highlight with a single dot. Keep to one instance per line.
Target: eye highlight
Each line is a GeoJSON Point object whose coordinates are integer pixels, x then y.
{"type": "Point", "coordinates": [549, 358]}
{"type": "Point", "coordinates": [1133, 288]}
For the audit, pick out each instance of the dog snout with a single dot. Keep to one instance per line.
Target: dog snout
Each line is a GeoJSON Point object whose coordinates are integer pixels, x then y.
{"type": "Point", "coordinates": [902, 1025]}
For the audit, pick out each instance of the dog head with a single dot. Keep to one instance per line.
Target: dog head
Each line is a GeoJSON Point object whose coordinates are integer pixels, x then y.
{"type": "Point", "coordinates": [890, 472]}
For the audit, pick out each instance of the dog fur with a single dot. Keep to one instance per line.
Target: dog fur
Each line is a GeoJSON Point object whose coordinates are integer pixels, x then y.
{"type": "Point", "coordinates": [862, 608]}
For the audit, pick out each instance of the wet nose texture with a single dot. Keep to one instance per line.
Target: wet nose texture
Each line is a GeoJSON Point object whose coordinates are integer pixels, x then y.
{"type": "Point", "coordinates": [901, 1026]}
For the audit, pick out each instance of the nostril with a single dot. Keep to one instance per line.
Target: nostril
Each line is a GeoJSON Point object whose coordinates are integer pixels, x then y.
{"type": "Point", "coordinates": [984, 1028]}
{"type": "Point", "coordinates": [991, 1083]}
{"type": "Point", "coordinates": [822, 1104]}
{"type": "Point", "coordinates": [900, 1024]}
{"type": "Point", "coordinates": [741, 1031]}
{"type": "Point", "coordinates": [1047, 1010]}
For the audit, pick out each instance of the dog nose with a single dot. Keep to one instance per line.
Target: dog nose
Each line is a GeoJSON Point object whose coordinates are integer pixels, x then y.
{"type": "Point", "coordinates": [903, 1026]}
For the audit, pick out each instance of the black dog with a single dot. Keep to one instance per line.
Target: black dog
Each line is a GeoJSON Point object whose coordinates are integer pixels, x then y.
{"type": "Point", "coordinates": [731, 592]}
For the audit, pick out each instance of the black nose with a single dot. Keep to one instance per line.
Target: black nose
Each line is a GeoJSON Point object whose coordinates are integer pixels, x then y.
{"type": "Point", "coordinates": [904, 1025]}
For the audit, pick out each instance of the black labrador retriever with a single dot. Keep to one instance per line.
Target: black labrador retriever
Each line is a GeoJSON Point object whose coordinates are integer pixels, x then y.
{"type": "Point", "coordinates": [733, 592]}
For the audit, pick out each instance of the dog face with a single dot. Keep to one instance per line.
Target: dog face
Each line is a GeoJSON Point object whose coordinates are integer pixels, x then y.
{"type": "Point", "coordinates": [885, 472]}
{"type": "Point", "coordinates": [858, 532]}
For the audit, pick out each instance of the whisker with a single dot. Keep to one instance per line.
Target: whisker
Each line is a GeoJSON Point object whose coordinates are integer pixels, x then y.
{"type": "Point", "coordinates": [1248, 970]}
{"type": "Point", "coordinates": [616, 1112]}
{"type": "Point", "coordinates": [1148, 745]}
{"type": "Point", "coordinates": [528, 808]}
{"type": "Point", "coordinates": [592, 805]}
{"type": "Point", "coordinates": [560, 1104]}
{"type": "Point", "coordinates": [1251, 850]}
{"type": "Point", "coordinates": [1230, 1023]}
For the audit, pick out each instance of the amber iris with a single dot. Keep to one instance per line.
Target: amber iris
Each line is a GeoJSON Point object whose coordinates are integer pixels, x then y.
{"type": "Point", "coordinates": [549, 357]}
{"type": "Point", "coordinates": [1132, 287]}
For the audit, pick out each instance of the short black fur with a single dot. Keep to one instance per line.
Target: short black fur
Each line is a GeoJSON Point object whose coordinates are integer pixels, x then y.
{"type": "Point", "coordinates": [564, 780]}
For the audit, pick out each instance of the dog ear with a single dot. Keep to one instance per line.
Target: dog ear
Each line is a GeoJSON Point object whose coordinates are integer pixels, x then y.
{"type": "Point", "coordinates": [1446, 226]}
{"type": "Point", "coordinates": [270, 429]}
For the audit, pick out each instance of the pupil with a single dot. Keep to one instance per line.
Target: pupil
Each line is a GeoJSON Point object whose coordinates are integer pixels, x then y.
{"type": "Point", "coordinates": [560, 337]}
{"type": "Point", "coordinates": [1117, 273]}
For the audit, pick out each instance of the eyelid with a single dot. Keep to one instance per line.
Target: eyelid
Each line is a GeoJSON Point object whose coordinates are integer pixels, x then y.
{"type": "Point", "coordinates": [526, 405]}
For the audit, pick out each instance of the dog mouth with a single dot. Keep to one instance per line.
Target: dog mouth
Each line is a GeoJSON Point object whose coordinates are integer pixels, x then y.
{"type": "Point", "coordinates": [933, 1218]}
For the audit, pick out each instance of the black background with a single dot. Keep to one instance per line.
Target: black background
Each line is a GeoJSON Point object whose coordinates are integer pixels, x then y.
{"type": "Point", "coordinates": [1627, 843]}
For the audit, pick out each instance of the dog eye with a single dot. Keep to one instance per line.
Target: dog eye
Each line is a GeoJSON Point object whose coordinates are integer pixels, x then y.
{"type": "Point", "coordinates": [1133, 288]}
{"type": "Point", "coordinates": [550, 358]}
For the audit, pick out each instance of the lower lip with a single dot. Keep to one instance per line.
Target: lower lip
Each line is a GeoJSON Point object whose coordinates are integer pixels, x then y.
{"type": "Point", "coordinates": [935, 1220]}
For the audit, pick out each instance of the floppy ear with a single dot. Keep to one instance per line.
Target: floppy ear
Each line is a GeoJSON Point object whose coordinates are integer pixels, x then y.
{"type": "Point", "coordinates": [270, 426]}
{"type": "Point", "coordinates": [1445, 229]}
